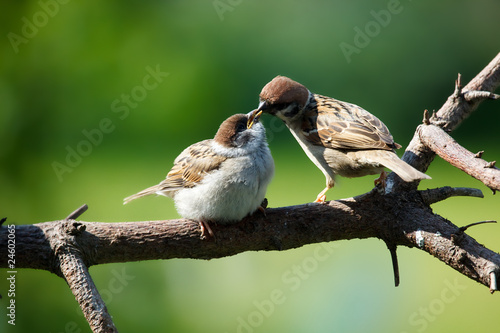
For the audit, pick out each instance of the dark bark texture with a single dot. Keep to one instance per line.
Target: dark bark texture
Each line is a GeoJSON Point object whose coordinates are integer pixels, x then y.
{"type": "Point", "coordinates": [401, 216]}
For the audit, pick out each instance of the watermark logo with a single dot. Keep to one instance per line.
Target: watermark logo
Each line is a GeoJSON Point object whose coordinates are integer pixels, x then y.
{"type": "Point", "coordinates": [223, 6]}
{"type": "Point", "coordinates": [11, 274]}
{"type": "Point", "coordinates": [31, 26]}
{"type": "Point", "coordinates": [115, 286]}
{"type": "Point", "coordinates": [425, 315]}
{"type": "Point", "coordinates": [274, 126]}
{"type": "Point", "coordinates": [363, 36]}
{"type": "Point", "coordinates": [291, 279]}
{"type": "Point", "coordinates": [121, 108]}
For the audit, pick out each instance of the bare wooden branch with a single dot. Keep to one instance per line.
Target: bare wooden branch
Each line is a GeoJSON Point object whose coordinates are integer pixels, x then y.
{"type": "Point", "coordinates": [448, 149]}
{"type": "Point", "coordinates": [471, 96]}
{"type": "Point", "coordinates": [83, 288]}
{"type": "Point", "coordinates": [455, 110]}
{"type": "Point", "coordinates": [434, 195]}
{"type": "Point", "coordinates": [400, 217]}
{"type": "Point", "coordinates": [396, 217]}
{"type": "Point", "coordinates": [77, 213]}
{"type": "Point", "coordinates": [457, 236]}
{"type": "Point", "coordinates": [395, 265]}
{"type": "Point", "coordinates": [462, 229]}
{"type": "Point", "coordinates": [461, 253]}
{"type": "Point", "coordinates": [71, 260]}
{"type": "Point", "coordinates": [449, 116]}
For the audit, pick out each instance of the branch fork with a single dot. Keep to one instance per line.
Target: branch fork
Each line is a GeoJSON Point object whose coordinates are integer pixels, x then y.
{"type": "Point", "coordinates": [72, 266]}
{"type": "Point", "coordinates": [400, 217]}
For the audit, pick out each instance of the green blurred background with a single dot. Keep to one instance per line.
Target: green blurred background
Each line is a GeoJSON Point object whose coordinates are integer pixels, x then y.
{"type": "Point", "coordinates": [66, 67]}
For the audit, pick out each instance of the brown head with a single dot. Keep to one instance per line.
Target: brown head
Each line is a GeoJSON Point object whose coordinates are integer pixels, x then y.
{"type": "Point", "coordinates": [234, 132]}
{"type": "Point", "coordinates": [283, 97]}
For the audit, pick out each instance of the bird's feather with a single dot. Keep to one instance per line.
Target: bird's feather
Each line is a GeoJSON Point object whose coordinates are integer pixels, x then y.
{"type": "Point", "coordinates": [192, 165]}
{"type": "Point", "coordinates": [340, 125]}
{"type": "Point", "coordinates": [189, 169]}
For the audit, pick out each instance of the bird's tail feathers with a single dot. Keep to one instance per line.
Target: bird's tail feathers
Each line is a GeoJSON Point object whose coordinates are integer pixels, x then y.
{"type": "Point", "coordinates": [401, 168]}
{"type": "Point", "coordinates": [150, 190]}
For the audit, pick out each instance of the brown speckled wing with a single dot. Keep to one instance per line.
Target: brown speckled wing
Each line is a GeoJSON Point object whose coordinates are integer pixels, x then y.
{"type": "Point", "coordinates": [191, 166]}
{"type": "Point", "coordinates": [340, 125]}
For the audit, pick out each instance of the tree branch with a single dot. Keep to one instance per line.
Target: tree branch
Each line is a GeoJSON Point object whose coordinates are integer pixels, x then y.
{"type": "Point", "coordinates": [77, 276]}
{"type": "Point", "coordinates": [448, 149]}
{"type": "Point", "coordinates": [457, 108]}
{"type": "Point", "coordinates": [396, 217]}
{"type": "Point", "coordinates": [400, 217]}
{"type": "Point", "coordinates": [71, 260]}
{"type": "Point", "coordinates": [434, 195]}
{"type": "Point", "coordinates": [448, 117]}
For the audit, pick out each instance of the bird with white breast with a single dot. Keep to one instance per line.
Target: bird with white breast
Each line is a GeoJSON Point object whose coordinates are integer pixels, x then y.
{"type": "Point", "coordinates": [220, 180]}
{"type": "Point", "coordinates": [339, 137]}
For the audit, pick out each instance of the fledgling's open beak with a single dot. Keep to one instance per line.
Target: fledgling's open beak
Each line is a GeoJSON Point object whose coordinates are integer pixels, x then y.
{"type": "Point", "coordinates": [253, 117]}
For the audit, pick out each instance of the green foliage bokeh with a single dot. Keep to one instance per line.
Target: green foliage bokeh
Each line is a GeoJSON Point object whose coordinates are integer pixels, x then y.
{"type": "Point", "coordinates": [70, 73]}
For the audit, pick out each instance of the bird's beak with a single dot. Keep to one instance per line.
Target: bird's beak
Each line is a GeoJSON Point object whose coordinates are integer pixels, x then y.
{"type": "Point", "coordinates": [262, 106]}
{"type": "Point", "coordinates": [253, 117]}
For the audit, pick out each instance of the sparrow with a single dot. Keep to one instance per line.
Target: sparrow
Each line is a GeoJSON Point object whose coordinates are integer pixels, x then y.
{"type": "Point", "coordinates": [222, 179]}
{"type": "Point", "coordinates": [340, 138]}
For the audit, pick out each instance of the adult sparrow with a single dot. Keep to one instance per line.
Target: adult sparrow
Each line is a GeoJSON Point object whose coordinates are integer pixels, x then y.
{"type": "Point", "coordinates": [221, 179]}
{"type": "Point", "coordinates": [339, 137]}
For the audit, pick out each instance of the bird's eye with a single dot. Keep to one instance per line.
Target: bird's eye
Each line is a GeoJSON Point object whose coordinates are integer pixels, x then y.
{"type": "Point", "coordinates": [280, 106]}
{"type": "Point", "coordinates": [241, 127]}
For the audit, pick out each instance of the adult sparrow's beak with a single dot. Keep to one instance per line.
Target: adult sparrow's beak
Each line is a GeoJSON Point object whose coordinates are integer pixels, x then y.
{"type": "Point", "coordinates": [253, 117]}
{"type": "Point", "coordinates": [262, 106]}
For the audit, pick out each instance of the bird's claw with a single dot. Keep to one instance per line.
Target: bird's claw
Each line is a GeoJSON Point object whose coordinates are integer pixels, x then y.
{"type": "Point", "coordinates": [205, 228]}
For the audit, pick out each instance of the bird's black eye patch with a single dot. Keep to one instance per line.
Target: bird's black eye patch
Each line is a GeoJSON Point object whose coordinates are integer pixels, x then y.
{"type": "Point", "coordinates": [292, 110]}
{"type": "Point", "coordinates": [241, 126]}
{"type": "Point", "coordinates": [280, 106]}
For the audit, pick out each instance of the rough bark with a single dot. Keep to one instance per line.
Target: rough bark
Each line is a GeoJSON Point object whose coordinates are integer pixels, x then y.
{"type": "Point", "coordinates": [401, 216]}
{"type": "Point", "coordinates": [457, 107]}
{"type": "Point", "coordinates": [448, 149]}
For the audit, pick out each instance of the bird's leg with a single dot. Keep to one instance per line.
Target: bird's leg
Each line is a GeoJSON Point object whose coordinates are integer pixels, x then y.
{"type": "Point", "coordinates": [205, 227]}
{"type": "Point", "coordinates": [263, 206]}
{"type": "Point", "coordinates": [330, 183]}
{"type": "Point", "coordinates": [322, 196]}
{"type": "Point", "coordinates": [381, 180]}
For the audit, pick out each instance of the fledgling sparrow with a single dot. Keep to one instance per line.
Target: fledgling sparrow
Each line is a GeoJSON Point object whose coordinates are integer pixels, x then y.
{"type": "Point", "coordinates": [339, 137]}
{"type": "Point", "coordinates": [222, 179]}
